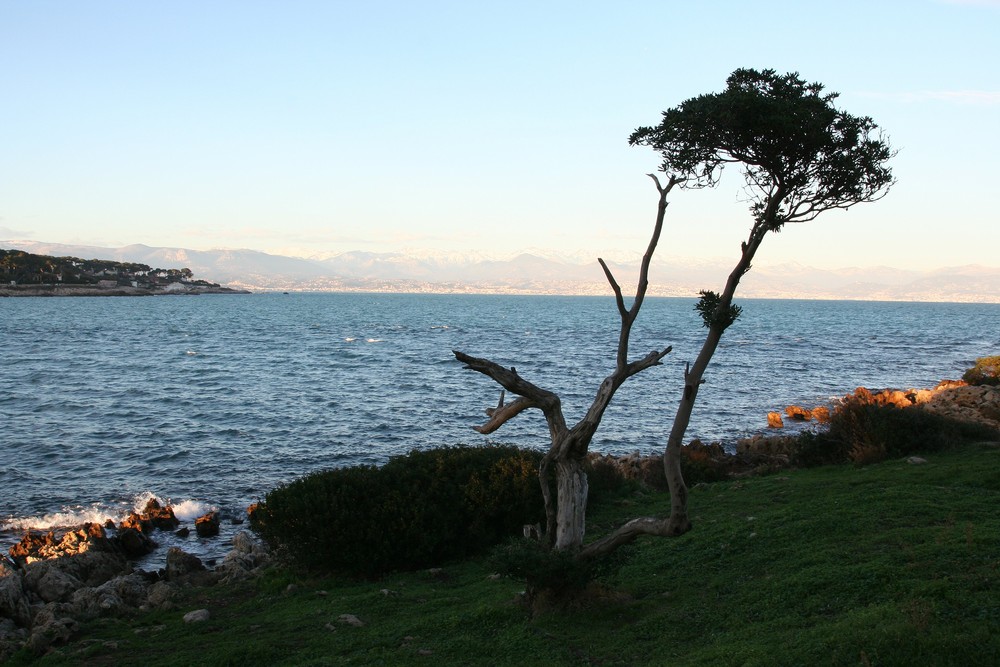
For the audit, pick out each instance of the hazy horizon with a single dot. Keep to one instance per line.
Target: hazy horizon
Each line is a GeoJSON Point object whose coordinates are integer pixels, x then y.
{"type": "Point", "coordinates": [530, 273]}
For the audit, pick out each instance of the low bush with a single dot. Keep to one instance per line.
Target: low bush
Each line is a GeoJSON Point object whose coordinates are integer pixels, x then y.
{"type": "Point", "coordinates": [986, 371]}
{"type": "Point", "coordinates": [558, 577]}
{"type": "Point", "coordinates": [418, 510]}
{"type": "Point", "coordinates": [703, 463]}
{"type": "Point", "coordinates": [607, 479]}
{"type": "Point", "coordinates": [865, 433]}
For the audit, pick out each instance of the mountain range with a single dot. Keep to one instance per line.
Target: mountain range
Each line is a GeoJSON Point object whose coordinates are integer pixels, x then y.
{"type": "Point", "coordinates": [534, 273]}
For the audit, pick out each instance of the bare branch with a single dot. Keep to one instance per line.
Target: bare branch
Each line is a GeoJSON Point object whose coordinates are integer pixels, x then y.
{"type": "Point", "coordinates": [651, 359]}
{"type": "Point", "coordinates": [507, 378]}
{"type": "Point", "coordinates": [501, 414]}
{"type": "Point", "coordinates": [632, 530]}
{"type": "Point", "coordinates": [490, 411]}
{"type": "Point", "coordinates": [531, 395]}
{"type": "Point", "coordinates": [619, 299]}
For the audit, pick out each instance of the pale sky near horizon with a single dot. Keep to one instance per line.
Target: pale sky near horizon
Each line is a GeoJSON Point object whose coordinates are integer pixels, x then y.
{"type": "Point", "coordinates": [322, 127]}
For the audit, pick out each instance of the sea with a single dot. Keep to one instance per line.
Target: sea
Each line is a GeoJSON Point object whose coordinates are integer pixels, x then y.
{"type": "Point", "coordinates": [207, 402]}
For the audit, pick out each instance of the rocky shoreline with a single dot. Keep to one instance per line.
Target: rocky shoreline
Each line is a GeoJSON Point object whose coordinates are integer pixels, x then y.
{"type": "Point", "coordinates": [53, 582]}
{"type": "Point", "coordinates": [173, 289]}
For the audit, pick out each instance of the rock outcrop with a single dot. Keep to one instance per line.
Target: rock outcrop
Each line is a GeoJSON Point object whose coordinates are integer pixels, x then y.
{"type": "Point", "coordinates": [58, 581]}
{"type": "Point", "coordinates": [208, 525]}
{"type": "Point", "coordinates": [950, 398]}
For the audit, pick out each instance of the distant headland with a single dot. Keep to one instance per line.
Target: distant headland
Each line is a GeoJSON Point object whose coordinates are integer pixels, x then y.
{"type": "Point", "coordinates": [27, 274]}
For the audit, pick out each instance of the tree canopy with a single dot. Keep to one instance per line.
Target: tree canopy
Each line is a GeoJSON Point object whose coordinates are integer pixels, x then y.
{"type": "Point", "coordinates": [800, 154]}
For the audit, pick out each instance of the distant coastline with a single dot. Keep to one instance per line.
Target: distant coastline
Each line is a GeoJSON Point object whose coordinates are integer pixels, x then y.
{"type": "Point", "coordinates": [175, 289]}
{"type": "Point", "coordinates": [535, 274]}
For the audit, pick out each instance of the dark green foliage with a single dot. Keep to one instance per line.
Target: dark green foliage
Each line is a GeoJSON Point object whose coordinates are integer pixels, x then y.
{"type": "Point", "coordinates": [712, 313]}
{"type": "Point", "coordinates": [867, 433]}
{"type": "Point", "coordinates": [556, 573]}
{"type": "Point", "coordinates": [30, 269]}
{"type": "Point", "coordinates": [605, 479]}
{"type": "Point", "coordinates": [800, 154]}
{"type": "Point", "coordinates": [418, 510]}
{"type": "Point", "coordinates": [703, 463]}
{"type": "Point", "coordinates": [986, 371]}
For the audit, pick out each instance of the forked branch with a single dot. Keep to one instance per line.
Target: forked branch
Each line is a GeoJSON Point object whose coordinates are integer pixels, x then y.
{"type": "Point", "coordinates": [503, 413]}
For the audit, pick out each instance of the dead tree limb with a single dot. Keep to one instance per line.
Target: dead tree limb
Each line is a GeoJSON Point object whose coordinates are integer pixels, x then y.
{"type": "Point", "coordinates": [565, 518]}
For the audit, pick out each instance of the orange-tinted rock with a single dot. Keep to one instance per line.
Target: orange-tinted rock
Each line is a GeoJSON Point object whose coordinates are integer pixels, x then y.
{"type": "Point", "coordinates": [894, 397]}
{"type": "Point", "coordinates": [160, 517]}
{"type": "Point", "coordinates": [136, 522]}
{"type": "Point", "coordinates": [862, 395]}
{"type": "Point", "coordinates": [798, 413]}
{"type": "Point", "coordinates": [208, 525]}
{"type": "Point", "coordinates": [774, 420]}
{"type": "Point", "coordinates": [949, 384]}
{"type": "Point", "coordinates": [821, 414]}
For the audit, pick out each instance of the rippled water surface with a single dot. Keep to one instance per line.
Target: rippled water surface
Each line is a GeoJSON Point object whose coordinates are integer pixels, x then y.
{"type": "Point", "coordinates": [212, 400]}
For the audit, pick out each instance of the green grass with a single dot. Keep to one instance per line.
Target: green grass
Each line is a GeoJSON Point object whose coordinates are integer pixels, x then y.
{"type": "Point", "coordinates": [890, 564]}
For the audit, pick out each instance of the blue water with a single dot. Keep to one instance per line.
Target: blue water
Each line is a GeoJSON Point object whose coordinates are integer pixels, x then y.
{"type": "Point", "coordinates": [210, 401]}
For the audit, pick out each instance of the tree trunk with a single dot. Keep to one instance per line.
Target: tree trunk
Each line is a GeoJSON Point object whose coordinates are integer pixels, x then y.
{"type": "Point", "coordinates": [571, 494]}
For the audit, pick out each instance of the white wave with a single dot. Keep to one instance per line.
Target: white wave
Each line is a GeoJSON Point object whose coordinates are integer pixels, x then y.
{"type": "Point", "coordinates": [189, 510]}
{"type": "Point", "coordinates": [440, 326]}
{"type": "Point", "coordinates": [140, 500]}
{"type": "Point", "coordinates": [186, 510]}
{"type": "Point", "coordinates": [374, 340]}
{"type": "Point", "coordinates": [349, 339]}
{"type": "Point", "coordinates": [191, 353]}
{"type": "Point", "coordinates": [67, 519]}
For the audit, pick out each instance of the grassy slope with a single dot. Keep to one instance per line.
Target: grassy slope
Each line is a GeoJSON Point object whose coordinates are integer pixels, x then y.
{"type": "Point", "coordinates": [892, 564]}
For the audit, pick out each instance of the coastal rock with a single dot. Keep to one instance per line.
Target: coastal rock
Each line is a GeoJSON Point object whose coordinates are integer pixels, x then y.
{"type": "Point", "coordinates": [352, 620]}
{"type": "Point", "coordinates": [136, 522]}
{"type": "Point", "coordinates": [118, 594]}
{"type": "Point", "coordinates": [13, 597]}
{"type": "Point", "coordinates": [51, 583]}
{"type": "Point", "coordinates": [207, 525]}
{"type": "Point", "coordinates": [197, 616]}
{"type": "Point", "coordinates": [972, 403]}
{"type": "Point", "coordinates": [160, 517]}
{"type": "Point", "coordinates": [134, 542]}
{"type": "Point", "coordinates": [58, 578]}
{"type": "Point", "coordinates": [953, 399]}
{"type": "Point", "coordinates": [36, 546]}
{"type": "Point", "coordinates": [49, 628]}
{"type": "Point", "coordinates": [11, 638]}
{"type": "Point", "coordinates": [798, 413]}
{"type": "Point", "coordinates": [774, 420]}
{"type": "Point", "coordinates": [821, 414]}
{"type": "Point", "coordinates": [88, 603]}
{"type": "Point", "coordinates": [161, 595]}
{"type": "Point", "coordinates": [246, 556]}
{"type": "Point", "coordinates": [181, 563]}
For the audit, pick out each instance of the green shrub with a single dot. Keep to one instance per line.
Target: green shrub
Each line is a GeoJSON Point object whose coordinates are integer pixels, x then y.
{"type": "Point", "coordinates": [418, 510]}
{"type": "Point", "coordinates": [986, 371]}
{"type": "Point", "coordinates": [865, 433]}
{"type": "Point", "coordinates": [703, 463]}
{"type": "Point", "coordinates": [558, 575]}
{"type": "Point", "coordinates": [606, 480]}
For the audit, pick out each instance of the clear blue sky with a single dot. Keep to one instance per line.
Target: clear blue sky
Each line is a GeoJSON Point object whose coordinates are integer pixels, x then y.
{"type": "Point", "coordinates": [320, 127]}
